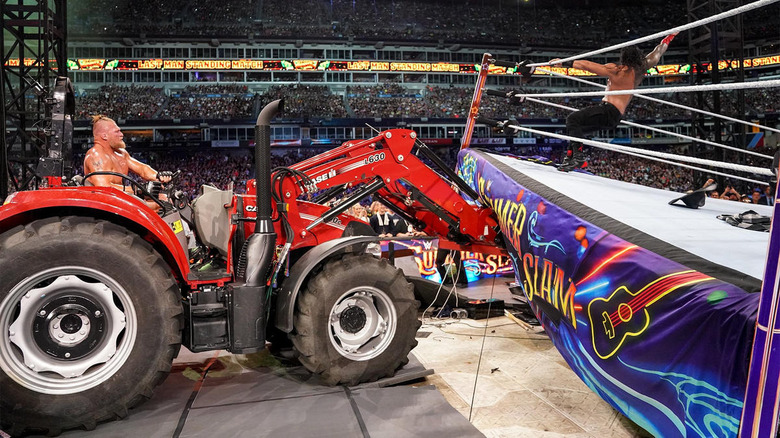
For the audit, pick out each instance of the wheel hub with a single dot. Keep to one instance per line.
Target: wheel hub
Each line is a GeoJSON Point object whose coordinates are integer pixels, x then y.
{"type": "Point", "coordinates": [69, 327]}
{"type": "Point", "coordinates": [70, 323]}
{"type": "Point", "coordinates": [352, 319]}
{"type": "Point", "coordinates": [62, 330]}
{"type": "Point", "coordinates": [362, 323]}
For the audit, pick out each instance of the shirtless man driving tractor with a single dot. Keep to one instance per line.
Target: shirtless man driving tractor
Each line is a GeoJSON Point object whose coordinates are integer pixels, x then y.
{"type": "Point", "coordinates": [109, 155]}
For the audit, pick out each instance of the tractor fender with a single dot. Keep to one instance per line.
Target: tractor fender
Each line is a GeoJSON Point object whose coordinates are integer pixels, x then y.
{"type": "Point", "coordinates": [102, 203]}
{"type": "Point", "coordinates": [288, 293]}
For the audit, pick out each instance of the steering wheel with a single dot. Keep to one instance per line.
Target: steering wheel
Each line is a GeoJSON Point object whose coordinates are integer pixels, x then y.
{"type": "Point", "coordinates": [176, 198]}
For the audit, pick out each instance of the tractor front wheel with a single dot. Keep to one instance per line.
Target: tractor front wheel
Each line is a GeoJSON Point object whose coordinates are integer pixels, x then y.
{"type": "Point", "coordinates": [89, 323]}
{"type": "Point", "coordinates": [356, 320]}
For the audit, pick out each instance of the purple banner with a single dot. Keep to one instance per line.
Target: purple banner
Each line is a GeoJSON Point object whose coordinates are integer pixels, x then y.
{"type": "Point", "coordinates": [664, 344]}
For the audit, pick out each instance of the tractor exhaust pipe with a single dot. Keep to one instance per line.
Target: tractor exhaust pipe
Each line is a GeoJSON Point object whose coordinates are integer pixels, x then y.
{"type": "Point", "coordinates": [263, 164]}
{"type": "Point", "coordinates": [248, 301]}
{"type": "Point", "coordinates": [261, 244]}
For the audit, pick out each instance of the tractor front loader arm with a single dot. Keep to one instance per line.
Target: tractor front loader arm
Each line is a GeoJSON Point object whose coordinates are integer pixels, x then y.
{"type": "Point", "coordinates": [388, 167]}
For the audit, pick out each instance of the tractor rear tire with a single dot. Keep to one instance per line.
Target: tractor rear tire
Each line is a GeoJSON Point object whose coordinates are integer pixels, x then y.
{"type": "Point", "coordinates": [355, 321]}
{"type": "Point", "coordinates": [90, 321]}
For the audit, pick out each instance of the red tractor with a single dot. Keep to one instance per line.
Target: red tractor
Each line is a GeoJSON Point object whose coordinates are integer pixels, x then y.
{"type": "Point", "coordinates": [97, 293]}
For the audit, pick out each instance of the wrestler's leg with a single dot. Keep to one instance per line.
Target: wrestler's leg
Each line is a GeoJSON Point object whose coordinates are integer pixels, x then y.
{"type": "Point", "coordinates": [575, 127]}
{"type": "Point", "coordinates": [591, 119]}
{"type": "Point", "coordinates": [585, 121]}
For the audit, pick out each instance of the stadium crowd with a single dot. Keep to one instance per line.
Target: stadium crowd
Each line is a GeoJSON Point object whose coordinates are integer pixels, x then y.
{"type": "Point", "coordinates": [533, 23]}
{"type": "Point", "coordinates": [637, 170]}
{"type": "Point", "coordinates": [388, 100]}
{"type": "Point", "coordinates": [302, 101]}
{"type": "Point", "coordinates": [226, 101]}
{"type": "Point", "coordinates": [121, 102]}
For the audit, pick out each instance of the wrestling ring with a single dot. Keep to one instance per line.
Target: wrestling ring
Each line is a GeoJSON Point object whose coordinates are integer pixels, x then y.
{"type": "Point", "coordinates": [669, 314]}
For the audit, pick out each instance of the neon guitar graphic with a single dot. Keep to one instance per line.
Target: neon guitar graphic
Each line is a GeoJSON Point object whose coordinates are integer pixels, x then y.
{"type": "Point", "coordinates": [625, 314]}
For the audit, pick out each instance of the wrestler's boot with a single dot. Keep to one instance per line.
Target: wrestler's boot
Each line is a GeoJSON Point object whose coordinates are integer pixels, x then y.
{"type": "Point", "coordinates": [575, 159]}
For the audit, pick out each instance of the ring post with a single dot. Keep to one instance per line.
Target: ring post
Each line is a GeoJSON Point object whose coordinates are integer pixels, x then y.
{"type": "Point", "coordinates": [474, 109]}
{"type": "Point", "coordinates": [759, 412]}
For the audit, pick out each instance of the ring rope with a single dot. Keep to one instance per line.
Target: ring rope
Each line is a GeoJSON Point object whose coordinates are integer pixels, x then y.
{"type": "Point", "coordinates": [677, 105]}
{"type": "Point", "coordinates": [703, 21]}
{"type": "Point", "coordinates": [694, 160]}
{"type": "Point", "coordinates": [650, 128]}
{"type": "Point", "coordinates": [730, 86]}
{"type": "Point", "coordinates": [655, 156]}
{"type": "Point", "coordinates": [702, 161]}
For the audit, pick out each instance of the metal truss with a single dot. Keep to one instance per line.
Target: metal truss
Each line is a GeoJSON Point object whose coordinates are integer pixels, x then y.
{"type": "Point", "coordinates": [34, 55]}
{"type": "Point", "coordinates": [720, 40]}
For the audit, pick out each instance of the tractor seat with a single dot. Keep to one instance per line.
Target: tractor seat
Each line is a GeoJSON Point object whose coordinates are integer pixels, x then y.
{"type": "Point", "coordinates": [212, 221]}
